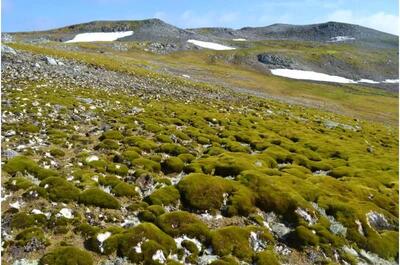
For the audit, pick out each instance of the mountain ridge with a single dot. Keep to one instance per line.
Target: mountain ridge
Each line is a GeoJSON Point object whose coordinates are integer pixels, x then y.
{"type": "Point", "coordinates": [157, 29]}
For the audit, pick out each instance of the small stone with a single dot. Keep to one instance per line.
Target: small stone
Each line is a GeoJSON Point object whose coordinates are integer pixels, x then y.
{"type": "Point", "coordinates": [377, 220]}
{"type": "Point", "coordinates": [8, 154]}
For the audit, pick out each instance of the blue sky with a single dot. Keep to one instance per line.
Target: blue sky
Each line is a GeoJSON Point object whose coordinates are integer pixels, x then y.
{"type": "Point", "coordinates": [26, 15]}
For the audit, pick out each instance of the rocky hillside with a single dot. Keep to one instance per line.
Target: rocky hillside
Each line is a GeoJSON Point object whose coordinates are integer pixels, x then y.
{"type": "Point", "coordinates": [324, 32]}
{"type": "Point", "coordinates": [158, 30]}
{"type": "Point", "coordinates": [144, 30]}
{"type": "Point", "coordinates": [105, 166]}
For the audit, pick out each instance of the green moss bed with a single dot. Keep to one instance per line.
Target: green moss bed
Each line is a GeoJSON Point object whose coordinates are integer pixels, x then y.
{"type": "Point", "coordinates": [183, 182]}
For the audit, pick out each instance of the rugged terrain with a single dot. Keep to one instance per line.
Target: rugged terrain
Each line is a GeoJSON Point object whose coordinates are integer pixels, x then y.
{"type": "Point", "coordinates": [151, 151]}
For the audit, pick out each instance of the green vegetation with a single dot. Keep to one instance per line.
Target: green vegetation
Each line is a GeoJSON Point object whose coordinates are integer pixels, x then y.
{"type": "Point", "coordinates": [205, 192]}
{"type": "Point", "coordinates": [25, 236]}
{"type": "Point", "coordinates": [67, 256]}
{"type": "Point", "coordinates": [156, 239]}
{"type": "Point", "coordinates": [165, 196]}
{"type": "Point", "coordinates": [23, 164]}
{"type": "Point", "coordinates": [235, 241]}
{"type": "Point", "coordinates": [97, 197]}
{"type": "Point", "coordinates": [179, 223]}
{"type": "Point", "coordinates": [60, 190]}
{"type": "Point", "coordinates": [234, 158]}
{"type": "Point", "coordinates": [172, 164]}
{"type": "Point", "coordinates": [267, 257]}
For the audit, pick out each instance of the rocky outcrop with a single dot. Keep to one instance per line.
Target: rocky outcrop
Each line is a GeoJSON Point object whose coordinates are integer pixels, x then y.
{"type": "Point", "coordinates": [275, 60]}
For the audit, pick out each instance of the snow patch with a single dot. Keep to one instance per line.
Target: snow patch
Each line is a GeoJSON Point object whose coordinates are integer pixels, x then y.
{"type": "Point", "coordinates": [239, 39]}
{"type": "Point", "coordinates": [311, 75]}
{"type": "Point", "coordinates": [316, 76]}
{"type": "Point", "coordinates": [341, 38]}
{"type": "Point", "coordinates": [369, 81]}
{"type": "Point", "coordinates": [210, 45]}
{"type": "Point", "coordinates": [100, 36]}
{"type": "Point", "coordinates": [391, 81]}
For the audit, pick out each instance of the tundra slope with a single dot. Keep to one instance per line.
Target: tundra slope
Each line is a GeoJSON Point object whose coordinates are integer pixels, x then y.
{"type": "Point", "coordinates": [108, 159]}
{"type": "Point", "coordinates": [119, 167]}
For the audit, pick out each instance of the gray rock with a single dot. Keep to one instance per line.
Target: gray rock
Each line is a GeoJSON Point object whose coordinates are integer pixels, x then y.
{"type": "Point", "coordinates": [7, 49]}
{"type": "Point", "coordinates": [116, 261]}
{"type": "Point", "coordinates": [377, 221]}
{"type": "Point", "coordinates": [8, 154]}
{"type": "Point", "coordinates": [278, 228]}
{"type": "Point", "coordinates": [275, 60]}
{"type": "Point", "coordinates": [332, 125]}
{"type": "Point", "coordinates": [25, 262]}
{"type": "Point", "coordinates": [5, 37]}
{"type": "Point", "coordinates": [336, 227]}
{"type": "Point", "coordinates": [145, 182]}
{"type": "Point", "coordinates": [306, 216]}
{"type": "Point", "coordinates": [372, 258]}
{"type": "Point", "coordinates": [34, 245]}
{"type": "Point", "coordinates": [86, 100]}
{"type": "Point", "coordinates": [51, 60]}
{"type": "Point", "coordinates": [10, 133]}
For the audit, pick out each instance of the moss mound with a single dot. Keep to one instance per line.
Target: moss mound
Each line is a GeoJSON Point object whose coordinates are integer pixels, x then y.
{"type": "Point", "coordinates": [302, 237]}
{"type": "Point", "coordinates": [267, 257]}
{"type": "Point", "coordinates": [23, 164]}
{"type": "Point", "coordinates": [147, 164]}
{"type": "Point", "coordinates": [164, 196]}
{"type": "Point", "coordinates": [180, 223]}
{"type": "Point", "coordinates": [234, 241]}
{"type": "Point", "coordinates": [124, 189]}
{"type": "Point", "coordinates": [25, 236]}
{"type": "Point", "coordinates": [205, 192]}
{"type": "Point", "coordinates": [22, 220]}
{"type": "Point", "coordinates": [171, 165]}
{"type": "Point", "coordinates": [150, 238]}
{"type": "Point", "coordinates": [67, 256]}
{"type": "Point", "coordinates": [97, 197]}
{"type": "Point", "coordinates": [60, 190]}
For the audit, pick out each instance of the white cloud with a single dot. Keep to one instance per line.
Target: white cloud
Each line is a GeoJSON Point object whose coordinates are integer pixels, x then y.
{"type": "Point", "coordinates": [380, 20]}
